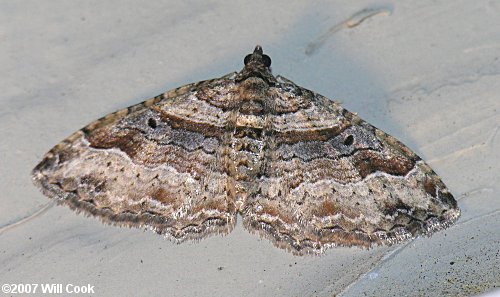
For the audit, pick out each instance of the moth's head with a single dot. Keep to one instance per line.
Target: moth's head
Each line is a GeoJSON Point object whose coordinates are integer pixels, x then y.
{"type": "Point", "coordinates": [257, 58]}
{"type": "Point", "coordinates": [257, 64]}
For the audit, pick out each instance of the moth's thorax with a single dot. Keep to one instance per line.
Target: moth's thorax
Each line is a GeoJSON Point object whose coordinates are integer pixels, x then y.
{"type": "Point", "coordinates": [253, 94]}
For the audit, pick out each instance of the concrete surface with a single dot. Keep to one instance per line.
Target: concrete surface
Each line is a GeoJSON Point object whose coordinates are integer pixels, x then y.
{"type": "Point", "coordinates": [427, 72]}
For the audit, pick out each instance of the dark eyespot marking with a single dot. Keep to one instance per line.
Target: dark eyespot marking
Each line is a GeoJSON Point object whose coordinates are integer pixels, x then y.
{"type": "Point", "coordinates": [349, 140]}
{"type": "Point", "coordinates": [152, 123]}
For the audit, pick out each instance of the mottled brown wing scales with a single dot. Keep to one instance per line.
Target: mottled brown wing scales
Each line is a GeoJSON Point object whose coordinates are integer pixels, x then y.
{"type": "Point", "coordinates": [132, 168]}
{"type": "Point", "coordinates": [358, 186]}
{"type": "Point", "coordinates": [303, 171]}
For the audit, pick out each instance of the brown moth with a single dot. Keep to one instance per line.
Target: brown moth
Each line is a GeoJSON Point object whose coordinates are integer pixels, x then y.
{"type": "Point", "coordinates": [300, 169]}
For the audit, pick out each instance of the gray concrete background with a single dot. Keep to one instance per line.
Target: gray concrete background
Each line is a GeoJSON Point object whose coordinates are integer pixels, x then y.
{"type": "Point", "coordinates": [427, 72]}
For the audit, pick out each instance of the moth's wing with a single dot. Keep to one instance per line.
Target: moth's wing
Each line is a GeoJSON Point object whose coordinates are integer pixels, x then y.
{"type": "Point", "coordinates": [154, 164]}
{"type": "Point", "coordinates": [333, 179]}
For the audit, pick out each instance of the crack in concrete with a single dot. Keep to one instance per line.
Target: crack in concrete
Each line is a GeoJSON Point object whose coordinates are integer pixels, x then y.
{"type": "Point", "coordinates": [28, 217]}
{"type": "Point", "coordinates": [351, 22]}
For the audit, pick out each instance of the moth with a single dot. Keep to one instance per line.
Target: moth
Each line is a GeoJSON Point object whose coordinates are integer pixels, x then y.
{"type": "Point", "coordinates": [300, 169]}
